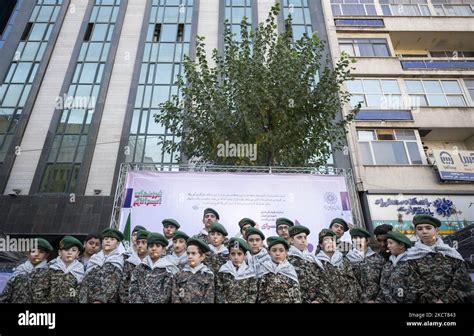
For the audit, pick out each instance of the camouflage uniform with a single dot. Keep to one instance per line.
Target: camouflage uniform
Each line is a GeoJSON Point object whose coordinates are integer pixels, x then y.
{"type": "Point", "coordinates": [278, 288]}
{"type": "Point", "coordinates": [101, 284]}
{"type": "Point", "coordinates": [307, 277]}
{"type": "Point", "coordinates": [17, 290]}
{"type": "Point", "coordinates": [205, 238]}
{"type": "Point", "coordinates": [150, 285]}
{"type": "Point", "coordinates": [193, 288]}
{"type": "Point", "coordinates": [54, 286]}
{"type": "Point", "coordinates": [395, 286]}
{"type": "Point", "coordinates": [215, 261]}
{"type": "Point", "coordinates": [368, 273]}
{"type": "Point", "coordinates": [38, 287]}
{"type": "Point", "coordinates": [341, 285]}
{"type": "Point", "coordinates": [438, 277]}
{"type": "Point", "coordinates": [232, 290]}
{"type": "Point", "coordinates": [128, 268]}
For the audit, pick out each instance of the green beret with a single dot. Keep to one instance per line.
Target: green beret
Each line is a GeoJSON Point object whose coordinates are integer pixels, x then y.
{"type": "Point", "coordinates": [157, 238]}
{"type": "Point", "coordinates": [138, 228]}
{"type": "Point", "coordinates": [284, 221]}
{"type": "Point", "coordinates": [255, 231]}
{"type": "Point", "coordinates": [113, 233]}
{"type": "Point", "coordinates": [297, 229]}
{"type": "Point", "coordinates": [400, 238]}
{"type": "Point", "coordinates": [69, 241]}
{"type": "Point", "coordinates": [359, 232]}
{"type": "Point", "coordinates": [245, 221]}
{"type": "Point", "coordinates": [170, 221]}
{"type": "Point", "coordinates": [326, 233]}
{"type": "Point", "coordinates": [239, 243]}
{"type": "Point", "coordinates": [44, 245]}
{"type": "Point", "coordinates": [340, 221]}
{"type": "Point", "coordinates": [199, 243]}
{"type": "Point", "coordinates": [426, 219]}
{"type": "Point", "coordinates": [218, 227]}
{"type": "Point", "coordinates": [142, 234]}
{"type": "Point", "coordinates": [212, 211]}
{"type": "Point", "coordinates": [277, 240]}
{"type": "Point", "coordinates": [180, 234]}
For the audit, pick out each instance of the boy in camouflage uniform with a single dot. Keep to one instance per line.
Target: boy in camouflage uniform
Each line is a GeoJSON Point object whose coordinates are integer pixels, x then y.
{"type": "Point", "coordinates": [283, 226]}
{"type": "Point", "coordinates": [195, 282]}
{"type": "Point", "coordinates": [104, 271]}
{"type": "Point", "coordinates": [19, 287]}
{"type": "Point", "coordinates": [91, 246]}
{"type": "Point", "coordinates": [179, 257]}
{"type": "Point", "coordinates": [366, 263]}
{"type": "Point", "coordinates": [59, 284]}
{"type": "Point", "coordinates": [170, 226]}
{"type": "Point", "coordinates": [244, 225]}
{"type": "Point", "coordinates": [236, 281]}
{"type": "Point", "coordinates": [257, 254]}
{"type": "Point", "coordinates": [339, 282]}
{"type": "Point", "coordinates": [439, 273]}
{"type": "Point", "coordinates": [279, 282]}
{"type": "Point", "coordinates": [131, 262]}
{"type": "Point", "coordinates": [219, 254]}
{"type": "Point", "coordinates": [152, 280]}
{"type": "Point", "coordinates": [395, 286]}
{"type": "Point", "coordinates": [209, 217]}
{"type": "Point", "coordinates": [339, 226]}
{"type": "Point", "coordinates": [304, 262]}
{"type": "Point", "coordinates": [381, 235]}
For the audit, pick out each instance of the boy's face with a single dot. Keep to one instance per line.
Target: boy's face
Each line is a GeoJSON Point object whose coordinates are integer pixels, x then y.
{"type": "Point", "coordinates": [37, 256]}
{"type": "Point", "coordinates": [255, 242]}
{"type": "Point", "coordinates": [195, 257]}
{"type": "Point", "coordinates": [169, 230]}
{"type": "Point", "coordinates": [109, 244]}
{"type": "Point", "coordinates": [244, 229]}
{"type": "Point", "coordinates": [216, 238]}
{"type": "Point", "coordinates": [328, 244]}
{"type": "Point", "coordinates": [427, 233]}
{"type": "Point", "coordinates": [141, 247]}
{"type": "Point", "coordinates": [300, 241]}
{"type": "Point", "coordinates": [69, 255]}
{"type": "Point", "coordinates": [282, 231]}
{"type": "Point", "coordinates": [237, 256]}
{"type": "Point", "coordinates": [382, 241]}
{"type": "Point", "coordinates": [155, 251]}
{"type": "Point", "coordinates": [338, 229]}
{"type": "Point", "coordinates": [208, 219]}
{"type": "Point", "coordinates": [360, 243]}
{"type": "Point", "coordinates": [134, 240]}
{"type": "Point", "coordinates": [179, 246]}
{"type": "Point", "coordinates": [395, 248]}
{"type": "Point", "coordinates": [278, 253]}
{"type": "Point", "coordinates": [92, 246]}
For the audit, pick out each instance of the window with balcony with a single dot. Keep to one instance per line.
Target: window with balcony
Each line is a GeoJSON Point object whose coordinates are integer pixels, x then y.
{"type": "Point", "coordinates": [353, 7]}
{"type": "Point", "coordinates": [452, 8]}
{"type": "Point", "coordinates": [380, 93]}
{"type": "Point", "coordinates": [405, 8]}
{"type": "Point", "coordinates": [451, 54]}
{"type": "Point", "coordinates": [389, 147]}
{"type": "Point", "coordinates": [470, 88]}
{"type": "Point", "coordinates": [365, 47]}
{"type": "Point", "coordinates": [435, 92]}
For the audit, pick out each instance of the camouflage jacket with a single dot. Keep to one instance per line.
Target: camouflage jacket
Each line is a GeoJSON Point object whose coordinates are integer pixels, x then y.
{"type": "Point", "coordinates": [150, 285]}
{"type": "Point", "coordinates": [307, 278]}
{"type": "Point", "coordinates": [229, 290]}
{"type": "Point", "coordinates": [205, 238]}
{"type": "Point", "coordinates": [17, 290]}
{"type": "Point", "coordinates": [437, 277]}
{"type": "Point", "coordinates": [341, 285]}
{"type": "Point", "coordinates": [368, 273]}
{"type": "Point", "coordinates": [128, 268]}
{"type": "Point", "coordinates": [193, 288]}
{"type": "Point", "coordinates": [54, 286]}
{"type": "Point", "coordinates": [395, 286]}
{"type": "Point", "coordinates": [215, 260]}
{"type": "Point", "coordinates": [100, 284]}
{"type": "Point", "coordinates": [278, 288]}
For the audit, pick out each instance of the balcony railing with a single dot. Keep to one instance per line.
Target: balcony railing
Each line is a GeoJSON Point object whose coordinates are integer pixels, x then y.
{"type": "Point", "coordinates": [437, 64]}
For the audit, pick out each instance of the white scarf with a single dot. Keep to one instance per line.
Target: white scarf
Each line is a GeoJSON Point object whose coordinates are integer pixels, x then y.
{"type": "Point", "coordinates": [222, 249]}
{"type": "Point", "coordinates": [396, 259]}
{"type": "Point", "coordinates": [420, 250]}
{"type": "Point", "coordinates": [336, 259]}
{"type": "Point", "coordinates": [134, 259]}
{"type": "Point", "coordinates": [241, 273]}
{"type": "Point", "coordinates": [161, 263]}
{"type": "Point", "coordinates": [75, 268]}
{"type": "Point", "coordinates": [256, 261]}
{"type": "Point", "coordinates": [357, 256]}
{"type": "Point", "coordinates": [99, 259]}
{"type": "Point", "coordinates": [204, 232]}
{"type": "Point", "coordinates": [27, 267]}
{"type": "Point", "coordinates": [284, 268]}
{"type": "Point", "coordinates": [200, 268]}
{"type": "Point", "coordinates": [305, 255]}
{"type": "Point", "coordinates": [177, 261]}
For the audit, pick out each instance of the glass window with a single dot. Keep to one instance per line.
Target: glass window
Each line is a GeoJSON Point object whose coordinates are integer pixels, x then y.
{"type": "Point", "coordinates": [166, 53]}
{"type": "Point", "coordinates": [451, 86]}
{"type": "Point", "coordinates": [405, 135]}
{"type": "Point", "coordinates": [389, 152]}
{"type": "Point", "coordinates": [365, 153]}
{"type": "Point", "coordinates": [29, 53]}
{"type": "Point", "coordinates": [100, 32]}
{"type": "Point", "coordinates": [385, 134]}
{"type": "Point", "coordinates": [21, 73]}
{"type": "Point", "coordinates": [414, 86]}
{"type": "Point", "coordinates": [366, 135]}
{"type": "Point", "coordinates": [88, 73]}
{"type": "Point", "coordinates": [163, 73]}
{"type": "Point", "coordinates": [169, 32]}
{"type": "Point", "coordinates": [76, 119]}
{"type": "Point", "coordinates": [104, 14]}
{"type": "Point", "coordinates": [390, 86]}
{"type": "Point", "coordinates": [470, 87]}
{"type": "Point", "coordinates": [414, 153]}
{"type": "Point", "coordinates": [12, 96]}
{"type": "Point", "coordinates": [68, 148]}
{"type": "Point", "coordinates": [437, 100]}
{"type": "Point", "coordinates": [38, 31]}
{"type": "Point", "coordinates": [372, 86]}
{"type": "Point", "coordinates": [432, 86]}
